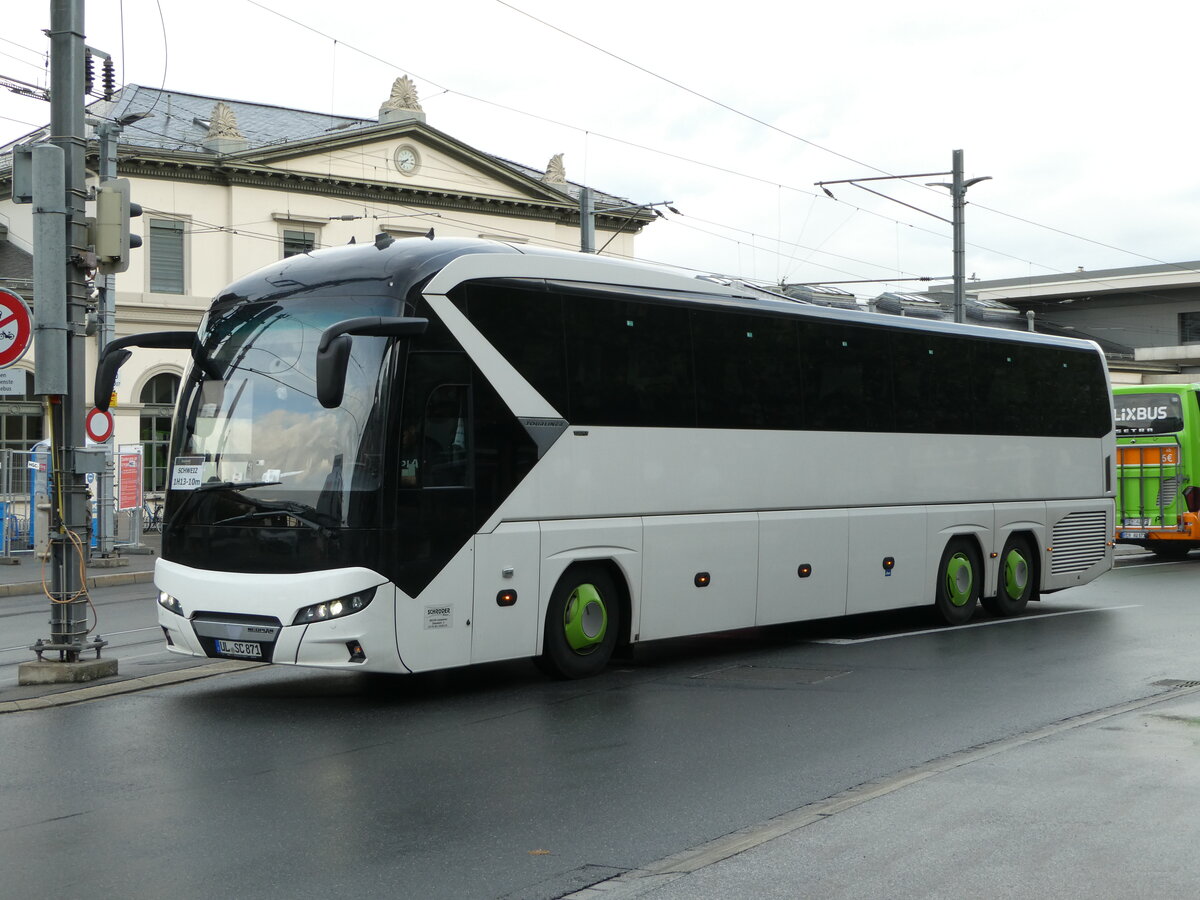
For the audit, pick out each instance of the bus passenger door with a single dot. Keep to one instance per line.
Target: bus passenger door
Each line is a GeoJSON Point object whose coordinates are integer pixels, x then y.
{"type": "Point", "coordinates": [435, 512]}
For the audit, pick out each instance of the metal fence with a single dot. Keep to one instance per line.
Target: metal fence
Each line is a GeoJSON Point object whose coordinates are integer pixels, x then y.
{"type": "Point", "coordinates": [21, 473]}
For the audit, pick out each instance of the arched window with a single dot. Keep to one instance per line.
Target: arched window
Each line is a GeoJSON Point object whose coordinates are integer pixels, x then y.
{"type": "Point", "coordinates": [21, 425]}
{"type": "Point", "coordinates": [158, 402]}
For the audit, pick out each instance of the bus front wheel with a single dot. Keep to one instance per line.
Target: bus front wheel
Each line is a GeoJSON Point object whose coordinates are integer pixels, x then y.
{"type": "Point", "coordinates": [1018, 579]}
{"type": "Point", "coordinates": [582, 623]}
{"type": "Point", "coordinates": [959, 576]}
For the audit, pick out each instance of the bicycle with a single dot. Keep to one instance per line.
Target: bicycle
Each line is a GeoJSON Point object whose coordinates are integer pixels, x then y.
{"type": "Point", "coordinates": [152, 519]}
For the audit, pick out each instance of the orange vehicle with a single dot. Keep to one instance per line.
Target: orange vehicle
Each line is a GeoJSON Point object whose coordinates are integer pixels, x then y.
{"type": "Point", "coordinates": [1158, 467]}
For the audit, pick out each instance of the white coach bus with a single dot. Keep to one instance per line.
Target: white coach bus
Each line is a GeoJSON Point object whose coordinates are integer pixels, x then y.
{"type": "Point", "coordinates": [421, 454]}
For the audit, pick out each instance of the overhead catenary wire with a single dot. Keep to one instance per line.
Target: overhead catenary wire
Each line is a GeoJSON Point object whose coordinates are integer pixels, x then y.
{"type": "Point", "coordinates": [592, 132]}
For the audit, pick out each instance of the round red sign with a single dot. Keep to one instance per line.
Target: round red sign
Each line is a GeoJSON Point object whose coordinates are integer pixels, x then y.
{"type": "Point", "coordinates": [99, 425]}
{"type": "Point", "coordinates": [16, 328]}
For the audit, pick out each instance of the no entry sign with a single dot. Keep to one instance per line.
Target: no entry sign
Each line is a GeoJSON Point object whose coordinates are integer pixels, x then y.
{"type": "Point", "coordinates": [99, 425]}
{"type": "Point", "coordinates": [16, 328]}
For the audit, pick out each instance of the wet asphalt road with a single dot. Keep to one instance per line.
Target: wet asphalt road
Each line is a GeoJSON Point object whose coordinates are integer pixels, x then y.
{"type": "Point", "coordinates": [494, 782]}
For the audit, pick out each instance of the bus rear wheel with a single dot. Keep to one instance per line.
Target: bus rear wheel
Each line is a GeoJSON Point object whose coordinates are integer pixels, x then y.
{"type": "Point", "coordinates": [1018, 579]}
{"type": "Point", "coordinates": [582, 623]}
{"type": "Point", "coordinates": [959, 576]}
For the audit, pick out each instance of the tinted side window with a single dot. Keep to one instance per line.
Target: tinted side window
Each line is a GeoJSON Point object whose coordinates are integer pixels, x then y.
{"type": "Point", "coordinates": [1000, 391]}
{"type": "Point", "coordinates": [847, 376]}
{"type": "Point", "coordinates": [747, 371]}
{"type": "Point", "coordinates": [1078, 399]}
{"type": "Point", "coordinates": [527, 328]}
{"type": "Point", "coordinates": [628, 363]}
{"type": "Point", "coordinates": [933, 383]}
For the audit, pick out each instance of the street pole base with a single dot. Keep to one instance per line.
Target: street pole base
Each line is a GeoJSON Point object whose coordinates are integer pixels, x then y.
{"type": "Point", "coordinates": [49, 672]}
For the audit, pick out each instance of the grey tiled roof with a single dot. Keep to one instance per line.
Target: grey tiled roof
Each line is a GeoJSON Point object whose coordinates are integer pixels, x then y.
{"type": "Point", "coordinates": [179, 122]}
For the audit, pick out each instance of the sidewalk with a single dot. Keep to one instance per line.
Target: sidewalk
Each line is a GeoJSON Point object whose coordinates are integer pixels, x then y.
{"type": "Point", "coordinates": [1099, 806]}
{"type": "Point", "coordinates": [133, 567]}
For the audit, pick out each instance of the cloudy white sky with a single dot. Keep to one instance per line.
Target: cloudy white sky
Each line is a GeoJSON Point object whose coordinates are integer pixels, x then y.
{"type": "Point", "coordinates": [1083, 115]}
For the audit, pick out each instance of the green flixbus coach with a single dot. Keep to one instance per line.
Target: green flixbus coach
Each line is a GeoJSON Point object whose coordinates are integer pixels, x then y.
{"type": "Point", "coordinates": [1158, 467]}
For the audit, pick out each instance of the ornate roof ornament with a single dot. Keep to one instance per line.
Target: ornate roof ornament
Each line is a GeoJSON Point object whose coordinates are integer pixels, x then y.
{"type": "Point", "coordinates": [556, 172]}
{"type": "Point", "coordinates": [223, 123]}
{"type": "Point", "coordinates": [404, 95]}
{"type": "Point", "coordinates": [223, 136]}
{"type": "Point", "coordinates": [403, 104]}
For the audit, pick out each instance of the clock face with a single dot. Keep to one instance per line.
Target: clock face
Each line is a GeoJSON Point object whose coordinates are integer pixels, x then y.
{"type": "Point", "coordinates": [406, 160]}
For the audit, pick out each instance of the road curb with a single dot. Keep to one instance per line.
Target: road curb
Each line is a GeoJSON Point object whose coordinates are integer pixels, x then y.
{"type": "Point", "coordinates": [127, 686]}
{"type": "Point", "coordinates": [116, 579]}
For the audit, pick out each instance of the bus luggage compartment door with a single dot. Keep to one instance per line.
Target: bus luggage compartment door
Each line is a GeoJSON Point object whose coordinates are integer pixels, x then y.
{"type": "Point", "coordinates": [889, 565]}
{"type": "Point", "coordinates": [802, 565]}
{"type": "Point", "coordinates": [700, 574]}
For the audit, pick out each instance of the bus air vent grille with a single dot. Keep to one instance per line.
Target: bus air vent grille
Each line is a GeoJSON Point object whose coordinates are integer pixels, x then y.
{"type": "Point", "coordinates": [1167, 491]}
{"type": "Point", "coordinates": [1080, 540]}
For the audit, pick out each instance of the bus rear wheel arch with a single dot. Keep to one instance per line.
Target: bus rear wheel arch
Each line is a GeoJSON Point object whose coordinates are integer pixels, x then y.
{"type": "Point", "coordinates": [1017, 581]}
{"type": "Point", "coordinates": [584, 621]}
{"type": "Point", "coordinates": [958, 580]}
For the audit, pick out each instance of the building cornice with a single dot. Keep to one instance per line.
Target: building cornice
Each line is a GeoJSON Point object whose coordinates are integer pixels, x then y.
{"type": "Point", "coordinates": [241, 172]}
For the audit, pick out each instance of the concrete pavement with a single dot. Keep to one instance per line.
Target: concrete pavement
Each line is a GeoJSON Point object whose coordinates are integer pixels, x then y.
{"type": "Point", "coordinates": [1101, 806]}
{"type": "Point", "coordinates": [132, 565]}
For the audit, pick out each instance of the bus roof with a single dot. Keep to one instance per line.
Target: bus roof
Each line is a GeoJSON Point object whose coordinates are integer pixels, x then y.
{"type": "Point", "coordinates": [393, 267]}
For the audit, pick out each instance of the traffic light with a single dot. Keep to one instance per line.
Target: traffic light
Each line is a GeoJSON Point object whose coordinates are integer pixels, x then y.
{"type": "Point", "coordinates": [109, 231]}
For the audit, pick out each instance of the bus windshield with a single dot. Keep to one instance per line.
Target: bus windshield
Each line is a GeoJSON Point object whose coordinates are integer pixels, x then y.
{"type": "Point", "coordinates": [1151, 413]}
{"type": "Point", "coordinates": [258, 427]}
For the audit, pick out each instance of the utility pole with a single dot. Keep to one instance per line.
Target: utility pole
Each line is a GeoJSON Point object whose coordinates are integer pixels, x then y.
{"type": "Point", "coordinates": [587, 221]}
{"type": "Point", "coordinates": [958, 197]}
{"type": "Point", "coordinates": [61, 258]}
{"type": "Point", "coordinates": [587, 218]}
{"type": "Point", "coordinates": [108, 132]}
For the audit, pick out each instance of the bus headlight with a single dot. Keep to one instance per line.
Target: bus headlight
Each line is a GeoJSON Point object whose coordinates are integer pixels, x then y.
{"type": "Point", "coordinates": [333, 609]}
{"type": "Point", "coordinates": [166, 601]}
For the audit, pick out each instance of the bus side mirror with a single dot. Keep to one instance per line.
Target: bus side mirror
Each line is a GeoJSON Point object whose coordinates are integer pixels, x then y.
{"type": "Point", "coordinates": [331, 371]}
{"type": "Point", "coordinates": [106, 376]}
{"type": "Point", "coordinates": [333, 350]}
{"type": "Point", "coordinates": [115, 355]}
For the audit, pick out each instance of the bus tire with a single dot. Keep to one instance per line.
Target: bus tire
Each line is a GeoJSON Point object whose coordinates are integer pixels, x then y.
{"type": "Point", "coordinates": [959, 575]}
{"type": "Point", "coordinates": [1017, 581]}
{"type": "Point", "coordinates": [583, 623]}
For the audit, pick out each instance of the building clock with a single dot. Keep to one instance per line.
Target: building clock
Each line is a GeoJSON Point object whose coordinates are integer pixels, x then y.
{"type": "Point", "coordinates": [406, 159]}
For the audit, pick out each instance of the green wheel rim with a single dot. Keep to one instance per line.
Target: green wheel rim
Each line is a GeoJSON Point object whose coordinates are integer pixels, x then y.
{"type": "Point", "coordinates": [960, 577]}
{"type": "Point", "coordinates": [1016, 574]}
{"type": "Point", "coordinates": [585, 619]}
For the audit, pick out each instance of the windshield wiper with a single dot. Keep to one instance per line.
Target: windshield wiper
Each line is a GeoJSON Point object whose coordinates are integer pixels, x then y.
{"type": "Point", "coordinates": [233, 485]}
{"type": "Point", "coordinates": [271, 513]}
